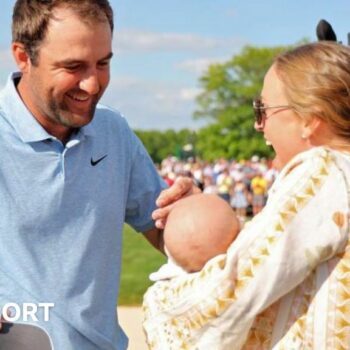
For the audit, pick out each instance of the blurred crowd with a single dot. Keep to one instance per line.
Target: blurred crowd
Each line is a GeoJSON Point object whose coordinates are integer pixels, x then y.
{"type": "Point", "coordinates": [243, 184]}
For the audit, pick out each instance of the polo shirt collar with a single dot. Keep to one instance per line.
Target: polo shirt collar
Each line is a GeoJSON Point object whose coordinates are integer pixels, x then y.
{"type": "Point", "coordinates": [26, 126]}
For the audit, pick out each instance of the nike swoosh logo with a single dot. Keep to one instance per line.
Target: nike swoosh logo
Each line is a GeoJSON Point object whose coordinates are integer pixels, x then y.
{"type": "Point", "coordinates": [95, 162]}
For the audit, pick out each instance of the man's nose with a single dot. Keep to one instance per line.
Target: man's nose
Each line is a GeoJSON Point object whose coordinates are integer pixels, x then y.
{"type": "Point", "coordinates": [90, 82]}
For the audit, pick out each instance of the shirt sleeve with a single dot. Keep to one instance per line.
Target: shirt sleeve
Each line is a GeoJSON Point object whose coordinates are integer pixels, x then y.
{"type": "Point", "coordinates": [145, 185]}
{"type": "Point", "coordinates": [303, 224]}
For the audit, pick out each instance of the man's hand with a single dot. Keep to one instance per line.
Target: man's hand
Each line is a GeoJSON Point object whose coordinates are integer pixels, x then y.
{"type": "Point", "coordinates": [182, 187]}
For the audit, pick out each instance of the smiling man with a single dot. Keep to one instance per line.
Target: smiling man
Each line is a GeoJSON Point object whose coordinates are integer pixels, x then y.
{"type": "Point", "coordinates": [72, 172]}
{"type": "Point", "coordinates": [68, 72]}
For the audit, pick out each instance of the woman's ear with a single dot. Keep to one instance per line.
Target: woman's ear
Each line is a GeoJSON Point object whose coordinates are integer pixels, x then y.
{"type": "Point", "coordinates": [309, 126]}
{"type": "Point", "coordinates": [21, 57]}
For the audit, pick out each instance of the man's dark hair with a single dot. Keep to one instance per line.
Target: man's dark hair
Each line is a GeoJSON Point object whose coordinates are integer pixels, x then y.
{"type": "Point", "coordinates": [31, 18]}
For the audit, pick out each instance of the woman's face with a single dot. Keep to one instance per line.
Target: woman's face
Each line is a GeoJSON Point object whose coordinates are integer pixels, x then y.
{"type": "Point", "coordinates": [282, 127]}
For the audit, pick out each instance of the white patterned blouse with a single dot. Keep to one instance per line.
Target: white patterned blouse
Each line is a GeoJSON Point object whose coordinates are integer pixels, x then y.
{"type": "Point", "coordinates": [283, 284]}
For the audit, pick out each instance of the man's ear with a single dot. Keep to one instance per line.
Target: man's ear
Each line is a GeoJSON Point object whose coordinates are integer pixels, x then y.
{"type": "Point", "coordinates": [21, 57]}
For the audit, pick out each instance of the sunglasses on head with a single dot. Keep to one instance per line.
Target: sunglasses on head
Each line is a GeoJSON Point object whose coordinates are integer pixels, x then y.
{"type": "Point", "coordinates": [260, 110]}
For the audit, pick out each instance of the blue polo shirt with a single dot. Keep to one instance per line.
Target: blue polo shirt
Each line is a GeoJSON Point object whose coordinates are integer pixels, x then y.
{"type": "Point", "coordinates": [62, 210]}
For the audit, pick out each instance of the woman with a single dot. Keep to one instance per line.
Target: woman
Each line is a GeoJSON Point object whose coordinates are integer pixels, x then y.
{"type": "Point", "coordinates": [285, 282]}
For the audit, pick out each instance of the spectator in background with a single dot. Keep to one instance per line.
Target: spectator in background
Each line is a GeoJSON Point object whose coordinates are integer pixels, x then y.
{"type": "Point", "coordinates": [206, 175]}
{"type": "Point", "coordinates": [224, 183]}
{"type": "Point", "coordinates": [258, 187]}
{"type": "Point", "coordinates": [239, 199]}
{"type": "Point", "coordinates": [209, 185]}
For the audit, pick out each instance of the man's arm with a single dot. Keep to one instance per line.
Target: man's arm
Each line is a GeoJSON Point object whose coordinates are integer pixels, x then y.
{"type": "Point", "coordinates": [182, 187]}
{"type": "Point", "coordinates": [155, 237]}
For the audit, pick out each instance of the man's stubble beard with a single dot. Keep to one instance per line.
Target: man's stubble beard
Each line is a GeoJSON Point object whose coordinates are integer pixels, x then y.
{"type": "Point", "coordinates": [60, 114]}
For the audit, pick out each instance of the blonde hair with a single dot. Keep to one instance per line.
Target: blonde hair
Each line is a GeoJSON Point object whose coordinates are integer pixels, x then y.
{"type": "Point", "coordinates": [316, 80]}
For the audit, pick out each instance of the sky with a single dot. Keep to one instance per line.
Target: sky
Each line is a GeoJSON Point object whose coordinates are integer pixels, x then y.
{"type": "Point", "coordinates": [162, 48]}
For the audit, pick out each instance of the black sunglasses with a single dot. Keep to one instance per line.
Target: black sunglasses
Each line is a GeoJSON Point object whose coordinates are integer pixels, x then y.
{"type": "Point", "coordinates": [260, 110]}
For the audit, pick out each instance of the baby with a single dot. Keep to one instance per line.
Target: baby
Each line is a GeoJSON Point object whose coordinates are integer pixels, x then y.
{"type": "Point", "coordinates": [198, 228]}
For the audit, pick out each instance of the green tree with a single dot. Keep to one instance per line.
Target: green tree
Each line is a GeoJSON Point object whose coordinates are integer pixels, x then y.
{"type": "Point", "coordinates": [160, 144]}
{"type": "Point", "coordinates": [226, 101]}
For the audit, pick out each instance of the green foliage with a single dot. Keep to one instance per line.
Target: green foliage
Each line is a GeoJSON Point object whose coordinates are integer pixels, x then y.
{"type": "Point", "coordinates": [139, 259]}
{"type": "Point", "coordinates": [160, 144]}
{"type": "Point", "coordinates": [228, 91]}
{"type": "Point", "coordinates": [226, 102]}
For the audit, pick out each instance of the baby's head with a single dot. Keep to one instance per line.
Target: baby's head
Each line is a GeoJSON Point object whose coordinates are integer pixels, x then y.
{"type": "Point", "coordinates": [198, 228]}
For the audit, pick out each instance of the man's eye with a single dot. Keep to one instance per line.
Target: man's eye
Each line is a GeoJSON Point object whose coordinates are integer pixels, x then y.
{"type": "Point", "coordinates": [72, 68]}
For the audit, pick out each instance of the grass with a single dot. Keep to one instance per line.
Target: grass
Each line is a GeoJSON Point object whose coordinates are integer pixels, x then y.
{"type": "Point", "coordinates": [139, 259]}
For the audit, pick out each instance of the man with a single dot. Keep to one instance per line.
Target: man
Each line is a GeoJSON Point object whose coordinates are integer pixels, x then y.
{"type": "Point", "coordinates": [72, 173]}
